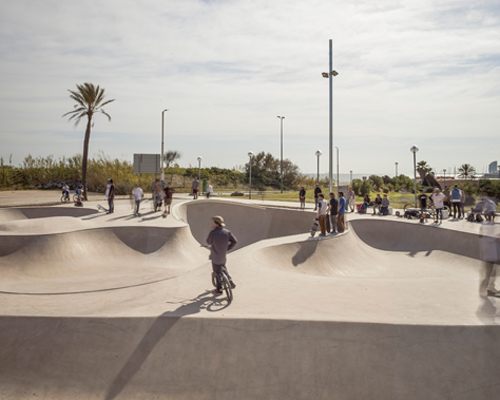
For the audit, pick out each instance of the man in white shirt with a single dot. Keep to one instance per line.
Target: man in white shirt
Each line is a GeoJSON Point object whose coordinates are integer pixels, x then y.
{"type": "Point", "coordinates": [438, 199]}
{"type": "Point", "coordinates": [138, 193]}
{"type": "Point", "coordinates": [351, 199]}
{"type": "Point", "coordinates": [322, 209]}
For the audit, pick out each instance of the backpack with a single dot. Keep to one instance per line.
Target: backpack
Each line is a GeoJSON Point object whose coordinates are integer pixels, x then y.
{"type": "Point", "coordinates": [470, 217]}
{"type": "Point", "coordinates": [479, 218]}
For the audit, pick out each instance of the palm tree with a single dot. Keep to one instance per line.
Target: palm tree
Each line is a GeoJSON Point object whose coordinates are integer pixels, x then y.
{"type": "Point", "coordinates": [466, 171]}
{"type": "Point", "coordinates": [89, 100]}
{"type": "Point", "coordinates": [423, 169]}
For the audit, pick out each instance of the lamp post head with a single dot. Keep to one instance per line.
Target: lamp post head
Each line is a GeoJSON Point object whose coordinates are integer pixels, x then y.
{"type": "Point", "coordinates": [250, 154]}
{"type": "Point", "coordinates": [318, 153]}
{"type": "Point", "coordinates": [334, 73]}
{"type": "Point", "coordinates": [414, 149]}
{"type": "Point", "coordinates": [199, 159]}
{"type": "Point", "coordinates": [325, 74]}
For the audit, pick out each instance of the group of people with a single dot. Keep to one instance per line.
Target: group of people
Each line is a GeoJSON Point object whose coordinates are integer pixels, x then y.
{"type": "Point", "coordinates": [455, 199]}
{"type": "Point", "coordinates": [194, 188]}
{"type": "Point", "coordinates": [162, 195]}
{"type": "Point", "coordinates": [335, 210]}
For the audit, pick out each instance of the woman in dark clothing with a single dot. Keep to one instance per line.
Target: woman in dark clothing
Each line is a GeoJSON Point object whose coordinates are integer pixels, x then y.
{"type": "Point", "coordinates": [366, 203]}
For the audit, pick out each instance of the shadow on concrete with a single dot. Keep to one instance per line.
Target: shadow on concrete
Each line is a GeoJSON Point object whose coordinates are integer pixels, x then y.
{"type": "Point", "coordinates": [162, 325]}
{"type": "Point", "coordinates": [306, 250]}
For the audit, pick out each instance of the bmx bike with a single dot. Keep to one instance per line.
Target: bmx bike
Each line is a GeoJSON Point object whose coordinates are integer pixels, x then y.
{"type": "Point", "coordinates": [77, 196]}
{"type": "Point", "coordinates": [222, 278]}
{"type": "Point", "coordinates": [65, 198]}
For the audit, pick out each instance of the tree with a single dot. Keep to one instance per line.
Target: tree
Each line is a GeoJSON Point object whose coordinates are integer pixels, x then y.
{"type": "Point", "coordinates": [467, 171]}
{"type": "Point", "coordinates": [89, 100]}
{"type": "Point", "coordinates": [423, 169]}
{"type": "Point", "coordinates": [170, 157]}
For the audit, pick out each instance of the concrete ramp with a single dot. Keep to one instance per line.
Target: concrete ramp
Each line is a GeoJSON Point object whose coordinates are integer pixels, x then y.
{"type": "Point", "coordinates": [247, 222]}
{"type": "Point", "coordinates": [96, 259]}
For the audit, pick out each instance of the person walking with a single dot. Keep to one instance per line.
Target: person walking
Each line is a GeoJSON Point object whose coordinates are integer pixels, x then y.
{"type": "Point", "coordinates": [110, 195]}
{"type": "Point", "coordinates": [302, 198]}
{"type": "Point", "coordinates": [317, 191]}
{"type": "Point", "coordinates": [322, 209]}
{"type": "Point", "coordinates": [463, 197]}
{"type": "Point", "coordinates": [446, 201]}
{"type": "Point", "coordinates": [220, 241]}
{"type": "Point", "coordinates": [351, 198]}
{"type": "Point", "coordinates": [195, 186]}
{"type": "Point", "coordinates": [138, 194]}
{"type": "Point", "coordinates": [341, 213]}
{"type": "Point", "coordinates": [456, 195]}
{"type": "Point", "coordinates": [333, 209]}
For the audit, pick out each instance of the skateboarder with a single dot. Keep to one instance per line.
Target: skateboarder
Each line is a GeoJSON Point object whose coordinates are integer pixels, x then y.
{"type": "Point", "coordinates": [220, 240]}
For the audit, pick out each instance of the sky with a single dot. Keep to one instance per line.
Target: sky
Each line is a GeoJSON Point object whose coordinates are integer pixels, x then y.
{"type": "Point", "coordinates": [410, 72]}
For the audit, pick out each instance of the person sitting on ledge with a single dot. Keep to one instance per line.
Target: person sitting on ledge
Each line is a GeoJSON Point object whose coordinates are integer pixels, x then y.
{"type": "Point", "coordinates": [384, 210]}
{"type": "Point", "coordinates": [378, 203]}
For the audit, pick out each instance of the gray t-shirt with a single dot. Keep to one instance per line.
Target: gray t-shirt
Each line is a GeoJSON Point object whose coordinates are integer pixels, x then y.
{"type": "Point", "coordinates": [195, 185]}
{"type": "Point", "coordinates": [221, 241]}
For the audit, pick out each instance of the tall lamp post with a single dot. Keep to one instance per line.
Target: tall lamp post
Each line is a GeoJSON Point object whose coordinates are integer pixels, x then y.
{"type": "Point", "coordinates": [250, 155]}
{"type": "Point", "coordinates": [281, 130]}
{"type": "Point", "coordinates": [318, 155]}
{"type": "Point", "coordinates": [350, 178]}
{"type": "Point", "coordinates": [444, 177]}
{"type": "Point", "coordinates": [414, 150]}
{"type": "Point", "coordinates": [199, 167]}
{"type": "Point", "coordinates": [396, 169]}
{"type": "Point", "coordinates": [162, 145]}
{"type": "Point", "coordinates": [329, 76]}
{"type": "Point", "coordinates": [338, 175]}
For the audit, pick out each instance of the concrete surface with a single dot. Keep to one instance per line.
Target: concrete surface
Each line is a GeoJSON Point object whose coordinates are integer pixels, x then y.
{"type": "Point", "coordinates": [119, 307]}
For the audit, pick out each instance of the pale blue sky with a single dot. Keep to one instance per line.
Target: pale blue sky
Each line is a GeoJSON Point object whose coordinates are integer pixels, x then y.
{"type": "Point", "coordinates": [425, 73]}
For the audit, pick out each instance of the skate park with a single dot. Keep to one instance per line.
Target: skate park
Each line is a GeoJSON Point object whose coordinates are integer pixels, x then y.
{"type": "Point", "coordinates": [120, 307]}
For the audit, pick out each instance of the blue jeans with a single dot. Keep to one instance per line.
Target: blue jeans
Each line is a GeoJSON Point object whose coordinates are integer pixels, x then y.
{"type": "Point", "coordinates": [137, 204]}
{"type": "Point", "coordinates": [439, 214]}
{"type": "Point", "coordinates": [111, 205]}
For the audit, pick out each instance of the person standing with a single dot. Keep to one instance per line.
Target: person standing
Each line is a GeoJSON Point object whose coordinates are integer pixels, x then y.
{"type": "Point", "coordinates": [220, 241]}
{"type": "Point", "coordinates": [333, 209]}
{"type": "Point", "coordinates": [463, 197]}
{"type": "Point", "coordinates": [438, 200]}
{"type": "Point", "coordinates": [302, 198]}
{"type": "Point", "coordinates": [351, 197]}
{"type": "Point", "coordinates": [210, 190]}
{"type": "Point", "coordinates": [195, 186]}
{"type": "Point", "coordinates": [378, 204]}
{"type": "Point", "coordinates": [341, 213]}
{"type": "Point", "coordinates": [446, 201]}
{"type": "Point", "coordinates": [317, 191]}
{"type": "Point", "coordinates": [423, 201]}
{"type": "Point", "coordinates": [110, 195]}
{"type": "Point", "coordinates": [138, 193]}
{"type": "Point", "coordinates": [169, 194]}
{"type": "Point", "coordinates": [456, 195]}
{"type": "Point", "coordinates": [322, 209]}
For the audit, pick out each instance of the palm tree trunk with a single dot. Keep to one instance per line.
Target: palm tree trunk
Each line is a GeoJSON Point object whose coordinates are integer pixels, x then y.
{"type": "Point", "coordinates": [86, 142]}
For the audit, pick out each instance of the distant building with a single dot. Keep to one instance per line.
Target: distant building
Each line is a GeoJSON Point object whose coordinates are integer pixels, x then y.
{"type": "Point", "coordinates": [493, 172]}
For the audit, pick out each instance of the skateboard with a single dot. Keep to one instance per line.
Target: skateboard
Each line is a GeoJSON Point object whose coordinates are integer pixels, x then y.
{"type": "Point", "coordinates": [315, 227]}
{"type": "Point", "coordinates": [101, 208]}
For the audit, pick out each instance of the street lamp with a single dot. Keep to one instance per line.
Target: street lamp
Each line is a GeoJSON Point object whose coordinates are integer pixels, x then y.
{"type": "Point", "coordinates": [329, 76]}
{"type": "Point", "coordinates": [199, 167]}
{"type": "Point", "coordinates": [250, 155]}
{"type": "Point", "coordinates": [396, 169]}
{"type": "Point", "coordinates": [414, 150]}
{"type": "Point", "coordinates": [338, 176]}
{"type": "Point", "coordinates": [350, 178]}
{"type": "Point", "coordinates": [281, 123]}
{"type": "Point", "coordinates": [444, 177]}
{"type": "Point", "coordinates": [318, 155]}
{"type": "Point", "coordinates": [162, 146]}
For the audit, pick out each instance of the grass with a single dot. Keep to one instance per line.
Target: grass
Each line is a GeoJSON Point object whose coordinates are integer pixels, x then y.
{"type": "Point", "coordinates": [398, 200]}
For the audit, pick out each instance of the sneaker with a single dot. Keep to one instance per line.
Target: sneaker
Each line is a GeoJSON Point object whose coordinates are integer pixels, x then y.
{"type": "Point", "coordinates": [216, 292]}
{"type": "Point", "coordinates": [322, 234]}
{"type": "Point", "coordinates": [232, 284]}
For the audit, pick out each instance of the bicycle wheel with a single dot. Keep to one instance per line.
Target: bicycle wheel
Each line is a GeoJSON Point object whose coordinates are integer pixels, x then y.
{"type": "Point", "coordinates": [64, 199]}
{"type": "Point", "coordinates": [227, 287]}
{"type": "Point", "coordinates": [215, 278]}
{"type": "Point", "coordinates": [75, 198]}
